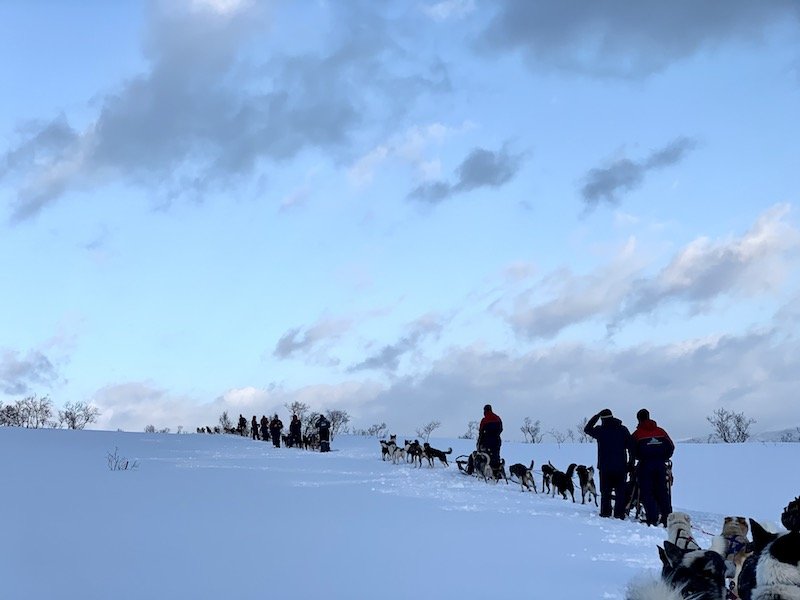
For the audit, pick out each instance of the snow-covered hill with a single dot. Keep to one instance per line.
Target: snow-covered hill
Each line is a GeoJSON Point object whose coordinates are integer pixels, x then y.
{"type": "Point", "coordinates": [210, 516]}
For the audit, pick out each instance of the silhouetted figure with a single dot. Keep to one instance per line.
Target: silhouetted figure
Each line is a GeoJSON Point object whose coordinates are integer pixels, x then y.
{"type": "Point", "coordinates": [254, 428]}
{"type": "Point", "coordinates": [614, 460]}
{"type": "Point", "coordinates": [242, 425]}
{"type": "Point", "coordinates": [275, 428]}
{"type": "Point", "coordinates": [324, 427]}
{"type": "Point", "coordinates": [264, 428]}
{"type": "Point", "coordinates": [295, 431]}
{"type": "Point", "coordinates": [489, 435]}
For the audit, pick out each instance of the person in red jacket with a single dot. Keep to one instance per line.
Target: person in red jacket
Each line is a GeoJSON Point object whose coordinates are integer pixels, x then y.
{"type": "Point", "coordinates": [489, 434]}
{"type": "Point", "coordinates": [652, 448]}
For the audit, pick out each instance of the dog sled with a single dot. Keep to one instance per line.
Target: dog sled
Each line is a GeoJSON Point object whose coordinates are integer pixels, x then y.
{"type": "Point", "coordinates": [478, 464]}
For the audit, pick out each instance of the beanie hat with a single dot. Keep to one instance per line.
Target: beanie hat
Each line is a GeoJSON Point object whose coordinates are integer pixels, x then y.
{"type": "Point", "coordinates": [605, 413]}
{"type": "Point", "coordinates": [488, 407]}
{"type": "Point", "coordinates": [643, 415]}
{"type": "Point", "coordinates": [791, 515]}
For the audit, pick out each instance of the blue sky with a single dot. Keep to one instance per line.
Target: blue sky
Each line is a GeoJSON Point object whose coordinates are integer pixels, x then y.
{"type": "Point", "coordinates": [403, 209]}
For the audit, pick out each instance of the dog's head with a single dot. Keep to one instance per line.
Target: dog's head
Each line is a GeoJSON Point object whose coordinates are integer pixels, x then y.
{"type": "Point", "coordinates": [678, 520]}
{"type": "Point", "coordinates": [393, 438]}
{"type": "Point", "coordinates": [734, 526]}
{"type": "Point", "coordinates": [426, 445]}
{"type": "Point", "coordinates": [694, 572]}
{"type": "Point", "coordinates": [548, 469]}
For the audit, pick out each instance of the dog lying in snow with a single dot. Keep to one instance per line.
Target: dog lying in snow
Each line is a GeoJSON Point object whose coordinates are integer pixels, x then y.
{"type": "Point", "coordinates": [772, 571]}
{"type": "Point", "coordinates": [524, 475]}
{"type": "Point", "coordinates": [695, 574]}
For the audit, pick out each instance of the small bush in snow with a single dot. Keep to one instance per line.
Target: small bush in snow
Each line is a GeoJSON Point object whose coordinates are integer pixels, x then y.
{"type": "Point", "coordinates": [120, 463]}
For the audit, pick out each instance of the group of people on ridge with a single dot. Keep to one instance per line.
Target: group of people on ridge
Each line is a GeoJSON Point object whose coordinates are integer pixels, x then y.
{"type": "Point", "coordinates": [643, 455]}
{"type": "Point", "coordinates": [267, 429]}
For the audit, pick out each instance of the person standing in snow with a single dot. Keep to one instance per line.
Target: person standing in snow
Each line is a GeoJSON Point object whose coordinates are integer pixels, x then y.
{"type": "Point", "coordinates": [614, 460]}
{"type": "Point", "coordinates": [275, 428]}
{"type": "Point", "coordinates": [652, 448]}
{"type": "Point", "coordinates": [254, 428]}
{"type": "Point", "coordinates": [264, 428]}
{"type": "Point", "coordinates": [489, 435]}
{"type": "Point", "coordinates": [242, 424]}
{"type": "Point", "coordinates": [323, 425]}
{"type": "Point", "coordinates": [295, 428]}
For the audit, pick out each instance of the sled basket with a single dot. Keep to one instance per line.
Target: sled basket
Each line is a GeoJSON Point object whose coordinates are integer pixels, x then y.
{"type": "Point", "coordinates": [463, 463]}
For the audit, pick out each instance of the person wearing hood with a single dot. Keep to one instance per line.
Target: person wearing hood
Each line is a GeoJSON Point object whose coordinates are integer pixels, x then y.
{"type": "Point", "coordinates": [614, 460]}
{"type": "Point", "coordinates": [652, 448]}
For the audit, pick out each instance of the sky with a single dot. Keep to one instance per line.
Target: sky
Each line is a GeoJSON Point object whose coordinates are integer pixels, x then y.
{"type": "Point", "coordinates": [402, 209]}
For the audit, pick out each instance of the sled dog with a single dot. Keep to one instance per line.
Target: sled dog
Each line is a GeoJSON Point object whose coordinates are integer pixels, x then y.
{"type": "Point", "coordinates": [586, 481]}
{"type": "Point", "coordinates": [524, 475]}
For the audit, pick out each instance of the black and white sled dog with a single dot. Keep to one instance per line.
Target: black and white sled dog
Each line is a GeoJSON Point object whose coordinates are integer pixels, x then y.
{"type": "Point", "coordinates": [432, 453]}
{"type": "Point", "coordinates": [691, 574]}
{"type": "Point", "coordinates": [390, 449]}
{"type": "Point", "coordinates": [586, 481]}
{"type": "Point", "coordinates": [524, 475]}
{"type": "Point", "coordinates": [562, 482]}
{"type": "Point", "coordinates": [547, 476]}
{"type": "Point", "coordinates": [772, 571]}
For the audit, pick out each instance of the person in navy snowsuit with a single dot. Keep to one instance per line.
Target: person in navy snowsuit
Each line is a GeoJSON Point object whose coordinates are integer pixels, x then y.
{"type": "Point", "coordinates": [652, 448]}
{"type": "Point", "coordinates": [614, 460]}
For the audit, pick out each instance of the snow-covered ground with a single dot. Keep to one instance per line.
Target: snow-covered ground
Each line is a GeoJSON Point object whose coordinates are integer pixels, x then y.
{"type": "Point", "coordinates": [209, 516]}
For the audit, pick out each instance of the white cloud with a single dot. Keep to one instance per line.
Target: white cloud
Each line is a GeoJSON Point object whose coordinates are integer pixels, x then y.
{"type": "Point", "coordinates": [449, 9]}
{"type": "Point", "coordinates": [705, 270]}
{"type": "Point", "coordinates": [408, 148]}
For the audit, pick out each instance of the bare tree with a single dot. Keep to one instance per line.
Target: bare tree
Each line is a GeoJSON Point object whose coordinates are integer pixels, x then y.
{"type": "Point", "coordinates": [532, 431]}
{"type": "Point", "coordinates": [77, 415]}
{"type": "Point", "coordinates": [339, 419]}
{"type": "Point", "coordinates": [377, 430]}
{"type": "Point", "coordinates": [34, 412]}
{"type": "Point", "coordinates": [559, 436]}
{"type": "Point", "coordinates": [729, 426]}
{"type": "Point", "coordinates": [225, 421]}
{"type": "Point", "coordinates": [426, 430]}
{"type": "Point", "coordinates": [10, 416]}
{"type": "Point", "coordinates": [472, 430]}
{"type": "Point", "coordinates": [581, 436]}
{"type": "Point", "coordinates": [298, 408]}
{"type": "Point", "coordinates": [150, 429]}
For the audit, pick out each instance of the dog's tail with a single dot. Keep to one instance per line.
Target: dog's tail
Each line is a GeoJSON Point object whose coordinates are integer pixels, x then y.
{"type": "Point", "coordinates": [531, 465]}
{"type": "Point", "coordinates": [449, 451]}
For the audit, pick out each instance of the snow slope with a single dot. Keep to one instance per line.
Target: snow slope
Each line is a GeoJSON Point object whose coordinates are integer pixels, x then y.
{"type": "Point", "coordinates": [205, 516]}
